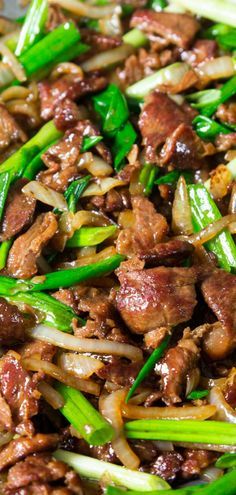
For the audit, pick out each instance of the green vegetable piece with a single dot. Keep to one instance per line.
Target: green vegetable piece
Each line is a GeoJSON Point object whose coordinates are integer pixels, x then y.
{"type": "Point", "coordinates": [84, 417]}
{"type": "Point", "coordinates": [204, 211]}
{"type": "Point", "coordinates": [173, 177]}
{"type": "Point", "coordinates": [226, 461]}
{"type": "Point", "coordinates": [5, 180]}
{"type": "Point", "coordinates": [112, 107]}
{"type": "Point", "coordinates": [215, 10]}
{"type": "Point", "coordinates": [208, 129]}
{"type": "Point", "coordinates": [148, 366]}
{"type": "Point", "coordinates": [74, 191]}
{"type": "Point", "coordinates": [191, 490]}
{"type": "Point", "coordinates": [136, 38]}
{"type": "Point", "coordinates": [147, 177]}
{"type": "Point", "coordinates": [90, 236]}
{"type": "Point", "coordinates": [197, 394]}
{"type": "Point", "coordinates": [124, 140]}
{"type": "Point", "coordinates": [186, 430]}
{"type": "Point", "coordinates": [32, 29]}
{"type": "Point", "coordinates": [89, 142]}
{"type": "Point", "coordinates": [88, 467]}
{"type": "Point", "coordinates": [157, 5]}
{"type": "Point", "coordinates": [73, 276]}
{"type": "Point", "coordinates": [4, 250]}
{"type": "Point", "coordinates": [226, 91]}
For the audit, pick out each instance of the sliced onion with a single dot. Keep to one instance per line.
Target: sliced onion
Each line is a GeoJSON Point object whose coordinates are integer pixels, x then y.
{"type": "Point", "coordinates": [5, 438]}
{"type": "Point", "coordinates": [138, 399]}
{"type": "Point", "coordinates": [51, 395]}
{"type": "Point", "coordinates": [95, 165]}
{"type": "Point", "coordinates": [66, 68]}
{"type": "Point", "coordinates": [55, 372]}
{"type": "Point", "coordinates": [66, 341]}
{"type": "Point", "coordinates": [224, 412]}
{"type": "Point", "coordinates": [110, 408]}
{"type": "Point", "coordinates": [15, 92]}
{"type": "Point", "coordinates": [9, 58]}
{"type": "Point", "coordinates": [106, 59]}
{"type": "Point", "coordinates": [102, 186]}
{"type": "Point", "coordinates": [181, 211]}
{"type": "Point", "coordinates": [79, 365]}
{"type": "Point", "coordinates": [211, 474]}
{"type": "Point", "coordinates": [188, 412]}
{"type": "Point", "coordinates": [85, 9]}
{"type": "Point", "coordinates": [85, 259]}
{"type": "Point", "coordinates": [220, 179]}
{"type": "Point", "coordinates": [111, 25]}
{"type": "Point", "coordinates": [216, 68]}
{"type": "Point", "coordinates": [45, 194]}
{"type": "Point", "coordinates": [212, 229]}
{"type": "Point", "coordinates": [206, 446]}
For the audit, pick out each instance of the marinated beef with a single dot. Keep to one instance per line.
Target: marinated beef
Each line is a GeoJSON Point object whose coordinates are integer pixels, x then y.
{"type": "Point", "coordinates": [202, 51]}
{"type": "Point", "coordinates": [10, 131]}
{"type": "Point", "coordinates": [167, 25]}
{"type": "Point", "coordinates": [167, 465]}
{"type": "Point", "coordinates": [225, 142]}
{"type": "Point", "coordinates": [13, 324]}
{"type": "Point", "coordinates": [171, 253]}
{"type": "Point", "coordinates": [156, 297]}
{"type": "Point", "coordinates": [120, 373]}
{"type": "Point", "coordinates": [219, 291]}
{"type": "Point", "coordinates": [195, 461]}
{"type": "Point", "coordinates": [19, 211]}
{"type": "Point", "coordinates": [66, 115]}
{"type": "Point", "coordinates": [6, 422]}
{"type": "Point", "coordinates": [20, 448]}
{"type": "Point", "coordinates": [183, 149]}
{"type": "Point", "coordinates": [23, 255]}
{"type": "Point", "coordinates": [99, 42]}
{"type": "Point", "coordinates": [226, 113]}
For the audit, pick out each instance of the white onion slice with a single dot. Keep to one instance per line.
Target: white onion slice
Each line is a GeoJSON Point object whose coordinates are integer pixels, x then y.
{"type": "Point", "coordinates": [216, 68]}
{"type": "Point", "coordinates": [186, 412]}
{"type": "Point", "coordinates": [51, 395]}
{"type": "Point", "coordinates": [85, 9]}
{"type": "Point", "coordinates": [102, 186]}
{"type": "Point", "coordinates": [181, 211]}
{"type": "Point", "coordinates": [107, 58]}
{"type": "Point", "coordinates": [224, 411]}
{"type": "Point", "coordinates": [79, 365]}
{"type": "Point", "coordinates": [9, 58]}
{"type": "Point", "coordinates": [45, 194]}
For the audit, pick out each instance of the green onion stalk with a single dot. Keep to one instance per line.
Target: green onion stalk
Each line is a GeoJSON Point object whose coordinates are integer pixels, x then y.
{"type": "Point", "coordinates": [90, 236]}
{"type": "Point", "coordinates": [33, 26]}
{"type": "Point", "coordinates": [215, 10]}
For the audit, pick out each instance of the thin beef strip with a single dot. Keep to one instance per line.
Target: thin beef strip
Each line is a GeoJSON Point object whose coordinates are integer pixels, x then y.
{"type": "Point", "coordinates": [162, 121]}
{"type": "Point", "coordinates": [226, 113]}
{"type": "Point", "coordinates": [155, 297]}
{"type": "Point", "coordinates": [167, 465]}
{"type": "Point", "coordinates": [19, 211]}
{"type": "Point", "coordinates": [20, 448]}
{"type": "Point", "coordinates": [99, 42]}
{"type": "Point", "coordinates": [13, 324]}
{"type": "Point", "coordinates": [41, 469]}
{"type": "Point", "coordinates": [23, 255]}
{"type": "Point", "coordinates": [6, 422]}
{"type": "Point", "coordinates": [149, 228]}
{"type": "Point", "coordinates": [69, 86]}
{"type": "Point", "coordinates": [10, 131]}
{"type": "Point", "coordinates": [202, 51]}
{"type": "Point", "coordinates": [225, 142]}
{"type": "Point", "coordinates": [120, 373]}
{"type": "Point", "coordinates": [171, 253]}
{"type": "Point", "coordinates": [167, 25]}
{"type": "Point", "coordinates": [195, 461]}
{"type": "Point", "coordinates": [219, 291]}
{"type": "Point", "coordinates": [174, 369]}
{"type": "Point", "coordinates": [66, 115]}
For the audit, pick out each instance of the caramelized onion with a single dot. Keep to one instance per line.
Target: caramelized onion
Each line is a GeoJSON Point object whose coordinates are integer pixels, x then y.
{"type": "Point", "coordinates": [9, 58]}
{"type": "Point", "coordinates": [212, 229]}
{"type": "Point", "coordinates": [110, 408]}
{"type": "Point", "coordinates": [45, 194]}
{"type": "Point", "coordinates": [102, 186]}
{"type": "Point", "coordinates": [224, 412]}
{"type": "Point", "coordinates": [216, 68]}
{"type": "Point", "coordinates": [181, 211]}
{"type": "Point", "coordinates": [79, 365]}
{"type": "Point", "coordinates": [108, 58]}
{"type": "Point", "coordinates": [51, 395]}
{"type": "Point", "coordinates": [66, 341]}
{"type": "Point", "coordinates": [95, 165]}
{"type": "Point", "coordinates": [85, 9]}
{"type": "Point", "coordinates": [185, 412]}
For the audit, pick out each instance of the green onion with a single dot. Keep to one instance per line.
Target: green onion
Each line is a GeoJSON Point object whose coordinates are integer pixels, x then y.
{"type": "Point", "coordinates": [186, 430]}
{"type": "Point", "coordinates": [167, 75]}
{"type": "Point", "coordinates": [49, 48]}
{"type": "Point", "coordinates": [88, 467]}
{"type": "Point", "coordinates": [216, 10]}
{"type": "Point", "coordinates": [5, 180]}
{"type": "Point", "coordinates": [89, 142]}
{"type": "Point", "coordinates": [74, 191]}
{"type": "Point", "coordinates": [197, 394]}
{"type": "Point", "coordinates": [84, 417]}
{"type": "Point", "coordinates": [157, 5]}
{"type": "Point", "coordinates": [226, 461]}
{"type": "Point", "coordinates": [90, 236]}
{"type": "Point", "coordinates": [204, 211]}
{"type": "Point", "coordinates": [208, 129]}
{"type": "Point", "coordinates": [33, 25]}
{"type": "Point", "coordinates": [173, 177]}
{"type": "Point", "coordinates": [136, 38]}
{"type": "Point", "coordinates": [73, 276]}
{"type": "Point", "coordinates": [148, 366]}
{"type": "Point", "coordinates": [225, 92]}
{"type": "Point", "coordinates": [147, 177]}
{"type": "Point", "coordinates": [112, 107]}
{"type": "Point", "coordinates": [202, 99]}
{"type": "Point", "coordinates": [4, 250]}
{"type": "Point", "coordinates": [190, 490]}
{"type": "Point", "coordinates": [123, 142]}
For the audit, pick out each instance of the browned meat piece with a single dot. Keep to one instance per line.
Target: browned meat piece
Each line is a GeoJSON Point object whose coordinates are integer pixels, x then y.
{"type": "Point", "coordinates": [69, 86]}
{"type": "Point", "coordinates": [156, 297]}
{"type": "Point", "coordinates": [225, 142]}
{"type": "Point", "coordinates": [19, 211]}
{"type": "Point", "coordinates": [27, 248]}
{"type": "Point", "coordinates": [195, 461]}
{"type": "Point", "coordinates": [145, 449]}
{"type": "Point", "coordinates": [99, 42]}
{"type": "Point", "coordinates": [13, 325]}
{"type": "Point", "coordinates": [183, 149]}
{"type": "Point", "coordinates": [22, 447]}
{"type": "Point", "coordinates": [113, 201]}
{"type": "Point", "coordinates": [104, 453]}
{"type": "Point", "coordinates": [101, 315]}
{"type": "Point", "coordinates": [167, 465]}
{"type": "Point", "coordinates": [66, 115]}
{"type": "Point", "coordinates": [167, 25]}
{"type": "Point", "coordinates": [10, 131]}
{"type": "Point", "coordinates": [18, 388]}
{"type": "Point", "coordinates": [55, 17]}
{"type": "Point", "coordinates": [6, 422]}
{"type": "Point", "coordinates": [202, 51]}
{"type": "Point", "coordinates": [219, 291]}
{"type": "Point", "coordinates": [61, 160]}
{"type": "Point", "coordinates": [87, 128]}
{"type": "Point", "coordinates": [171, 253]}
{"type": "Point", "coordinates": [159, 118]}
{"type": "Point", "coordinates": [226, 113]}
{"type": "Point", "coordinates": [149, 228]}
{"type": "Point", "coordinates": [230, 392]}
{"type": "Point", "coordinates": [42, 469]}
{"type": "Point", "coordinates": [120, 373]}
{"type": "Point", "coordinates": [37, 350]}
{"type": "Point", "coordinates": [175, 367]}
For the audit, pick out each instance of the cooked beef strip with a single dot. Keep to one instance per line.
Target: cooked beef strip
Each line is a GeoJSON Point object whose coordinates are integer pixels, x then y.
{"type": "Point", "coordinates": [37, 350]}
{"type": "Point", "coordinates": [202, 51]}
{"type": "Point", "coordinates": [26, 249]}
{"type": "Point", "coordinates": [56, 17]}
{"type": "Point", "coordinates": [219, 291]}
{"type": "Point", "coordinates": [167, 465]}
{"type": "Point", "coordinates": [149, 228]}
{"type": "Point", "coordinates": [18, 388]}
{"type": "Point", "coordinates": [13, 324]}
{"type": "Point", "coordinates": [20, 448]}
{"type": "Point", "coordinates": [19, 211]}
{"type": "Point", "coordinates": [175, 367]}
{"type": "Point", "coordinates": [167, 25]}
{"type": "Point", "coordinates": [113, 201]}
{"type": "Point", "coordinates": [225, 142]}
{"type": "Point", "coordinates": [6, 422]}
{"type": "Point", "coordinates": [99, 42]}
{"type": "Point", "coordinates": [155, 297]}
{"type": "Point", "coordinates": [195, 461]}
{"type": "Point", "coordinates": [226, 113]}
{"type": "Point", "coordinates": [70, 86]}
{"type": "Point", "coordinates": [66, 115]}
{"type": "Point", "coordinates": [120, 373]}
{"type": "Point", "coordinates": [183, 149]}
{"type": "Point", "coordinates": [10, 131]}
{"type": "Point", "coordinates": [170, 253]}
{"type": "Point", "coordinates": [230, 393]}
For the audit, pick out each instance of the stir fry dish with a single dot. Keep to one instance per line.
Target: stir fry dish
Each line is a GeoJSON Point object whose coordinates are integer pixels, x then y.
{"type": "Point", "coordinates": [118, 248]}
